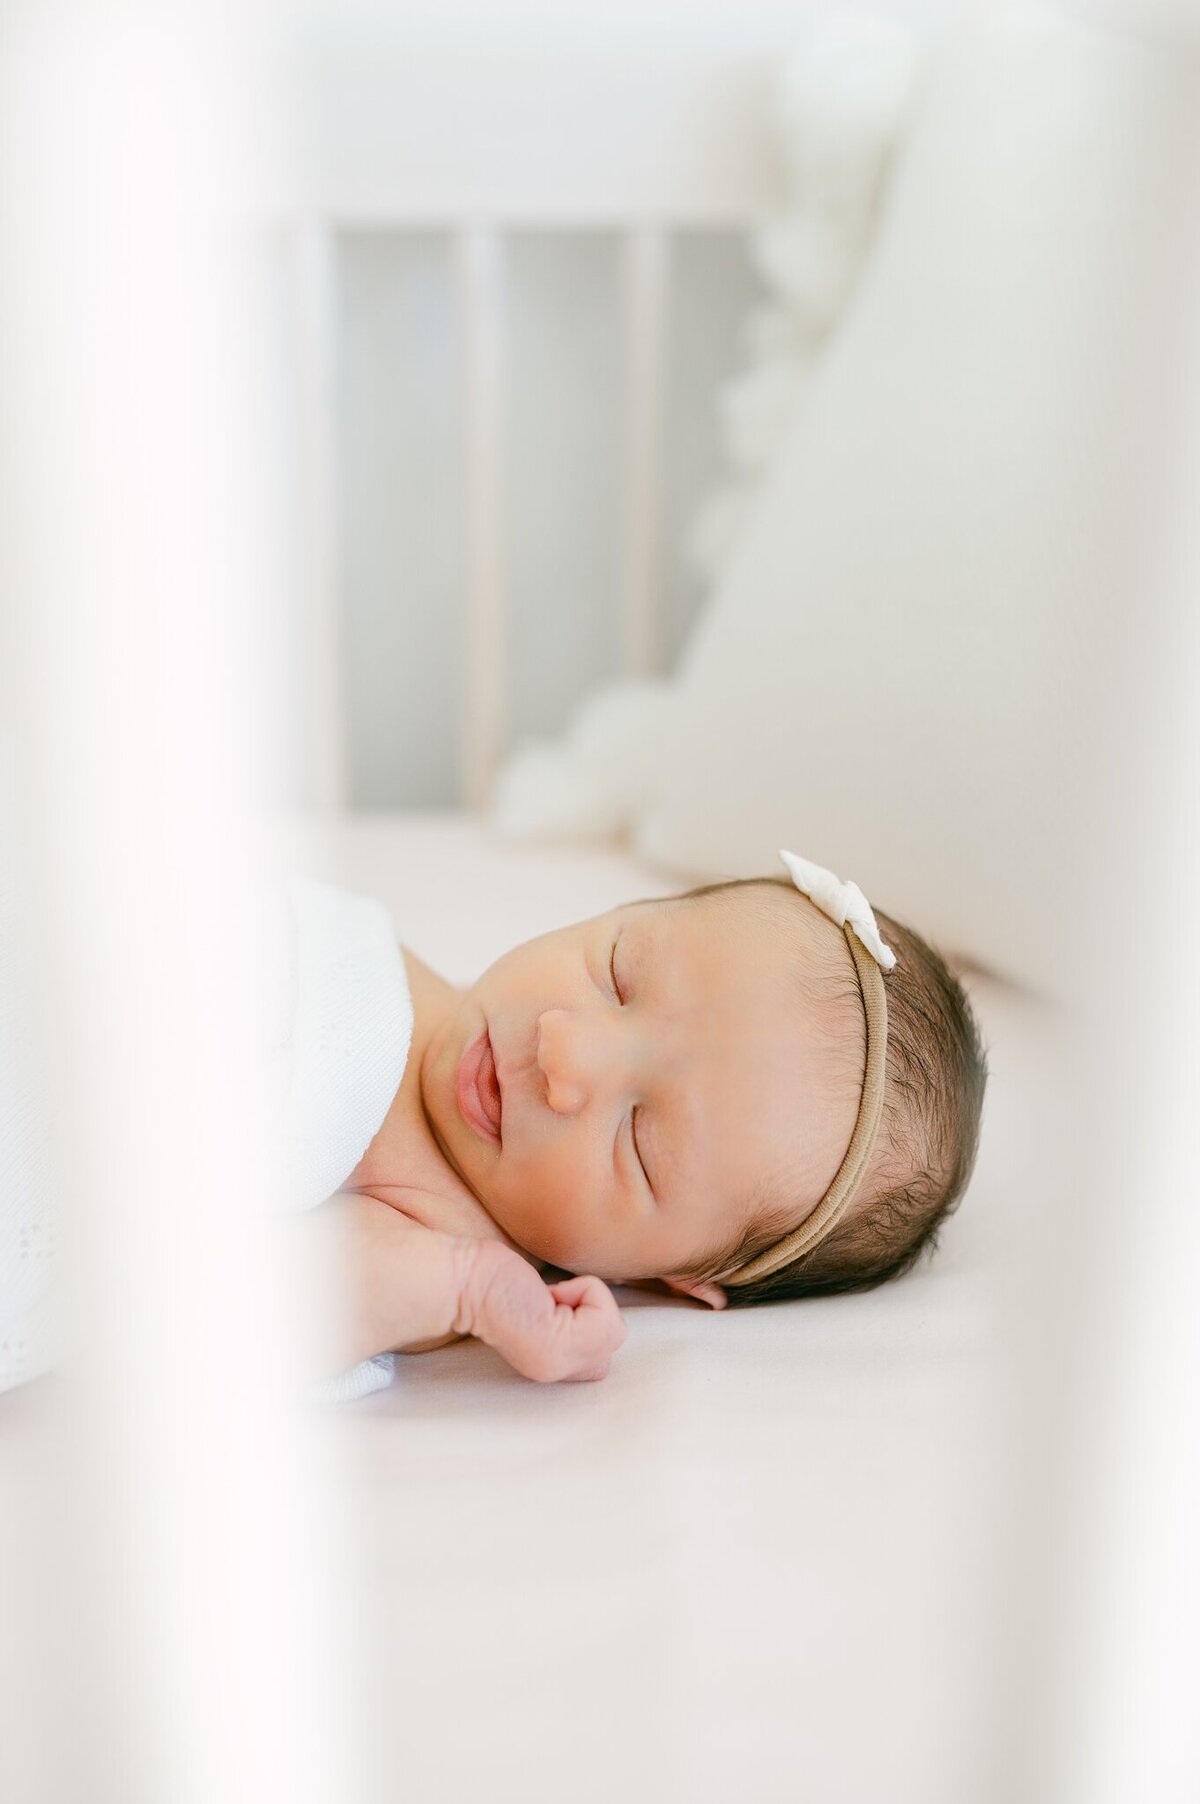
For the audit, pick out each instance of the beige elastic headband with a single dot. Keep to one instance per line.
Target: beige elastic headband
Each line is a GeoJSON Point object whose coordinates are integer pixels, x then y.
{"type": "Point", "coordinates": [858, 923]}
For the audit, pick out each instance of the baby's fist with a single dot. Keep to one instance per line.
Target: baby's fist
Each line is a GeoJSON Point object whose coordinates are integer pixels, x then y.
{"type": "Point", "coordinates": [568, 1330]}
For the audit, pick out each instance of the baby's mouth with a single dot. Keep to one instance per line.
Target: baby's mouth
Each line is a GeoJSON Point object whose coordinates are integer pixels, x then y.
{"type": "Point", "coordinates": [488, 1085]}
{"type": "Point", "coordinates": [477, 1088]}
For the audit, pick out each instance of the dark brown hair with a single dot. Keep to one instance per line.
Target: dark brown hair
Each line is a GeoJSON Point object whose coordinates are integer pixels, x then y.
{"type": "Point", "coordinates": [933, 1101]}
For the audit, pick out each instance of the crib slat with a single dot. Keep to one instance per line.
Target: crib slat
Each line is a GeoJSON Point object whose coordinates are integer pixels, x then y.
{"type": "Point", "coordinates": [168, 1586]}
{"type": "Point", "coordinates": [644, 286]}
{"type": "Point", "coordinates": [327, 778]}
{"type": "Point", "coordinates": [480, 269]}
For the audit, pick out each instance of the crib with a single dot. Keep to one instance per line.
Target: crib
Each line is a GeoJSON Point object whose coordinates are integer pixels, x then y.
{"type": "Point", "coordinates": [694, 159]}
{"type": "Point", "coordinates": [679, 1460]}
{"type": "Point", "coordinates": [788, 1552]}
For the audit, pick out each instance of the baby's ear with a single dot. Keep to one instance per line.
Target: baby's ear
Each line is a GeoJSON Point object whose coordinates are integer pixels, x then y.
{"type": "Point", "coordinates": [704, 1292]}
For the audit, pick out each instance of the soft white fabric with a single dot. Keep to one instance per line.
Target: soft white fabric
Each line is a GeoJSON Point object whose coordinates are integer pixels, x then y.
{"type": "Point", "coordinates": [591, 783]}
{"type": "Point", "coordinates": [342, 1014]}
{"type": "Point", "coordinates": [903, 663]}
{"type": "Point", "coordinates": [916, 630]}
{"type": "Point", "coordinates": [374, 1374]}
{"type": "Point", "coordinates": [840, 100]}
{"type": "Point", "coordinates": [842, 901]}
{"type": "Point", "coordinates": [350, 1027]}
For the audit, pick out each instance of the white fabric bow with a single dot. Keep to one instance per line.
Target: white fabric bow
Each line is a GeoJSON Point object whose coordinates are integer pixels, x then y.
{"type": "Point", "coordinates": [842, 902]}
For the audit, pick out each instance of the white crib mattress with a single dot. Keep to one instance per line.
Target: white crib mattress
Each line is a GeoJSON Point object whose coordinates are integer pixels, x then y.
{"type": "Point", "coordinates": [774, 1554]}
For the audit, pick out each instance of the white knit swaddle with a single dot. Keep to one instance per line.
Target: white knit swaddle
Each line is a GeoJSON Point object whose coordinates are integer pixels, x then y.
{"type": "Point", "coordinates": [344, 1052]}
{"type": "Point", "coordinates": [342, 1022]}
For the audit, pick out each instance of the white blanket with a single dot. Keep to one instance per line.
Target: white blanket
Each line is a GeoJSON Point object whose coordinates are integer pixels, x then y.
{"type": "Point", "coordinates": [349, 1023]}
{"type": "Point", "coordinates": [343, 1019]}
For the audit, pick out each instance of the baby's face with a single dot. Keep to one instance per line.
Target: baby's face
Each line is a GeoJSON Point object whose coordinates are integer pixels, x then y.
{"type": "Point", "coordinates": [655, 1064]}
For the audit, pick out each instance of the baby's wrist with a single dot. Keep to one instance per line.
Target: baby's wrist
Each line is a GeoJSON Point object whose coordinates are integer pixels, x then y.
{"type": "Point", "coordinates": [477, 1267]}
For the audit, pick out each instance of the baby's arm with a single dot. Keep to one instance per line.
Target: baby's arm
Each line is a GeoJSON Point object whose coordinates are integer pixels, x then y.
{"type": "Point", "coordinates": [409, 1288]}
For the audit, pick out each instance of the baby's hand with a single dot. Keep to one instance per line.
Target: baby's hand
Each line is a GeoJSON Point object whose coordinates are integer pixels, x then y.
{"type": "Point", "coordinates": [546, 1332]}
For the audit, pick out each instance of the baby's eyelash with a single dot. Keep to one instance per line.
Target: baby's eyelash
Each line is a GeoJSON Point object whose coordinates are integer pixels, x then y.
{"type": "Point", "coordinates": [637, 1153]}
{"type": "Point", "coordinates": [612, 971]}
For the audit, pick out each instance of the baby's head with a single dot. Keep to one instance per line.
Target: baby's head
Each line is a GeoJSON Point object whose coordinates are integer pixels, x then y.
{"type": "Point", "coordinates": [679, 1080]}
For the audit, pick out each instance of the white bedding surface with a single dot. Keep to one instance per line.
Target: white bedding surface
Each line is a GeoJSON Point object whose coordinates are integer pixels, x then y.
{"type": "Point", "coordinates": [778, 1553]}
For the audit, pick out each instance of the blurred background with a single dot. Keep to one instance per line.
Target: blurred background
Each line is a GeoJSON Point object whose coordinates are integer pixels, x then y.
{"type": "Point", "coordinates": [510, 458]}
{"type": "Point", "coordinates": [538, 342]}
{"type": "Point", "coordinates": [587, 239]}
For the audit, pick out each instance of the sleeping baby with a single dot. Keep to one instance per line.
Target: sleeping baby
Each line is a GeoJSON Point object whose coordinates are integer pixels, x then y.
{"type": "Point", "coordinates": [752, 1091]}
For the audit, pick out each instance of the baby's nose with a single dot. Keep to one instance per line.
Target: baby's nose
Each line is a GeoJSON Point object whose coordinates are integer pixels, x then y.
{"type": "Point", "coordinates": [567, 1054]}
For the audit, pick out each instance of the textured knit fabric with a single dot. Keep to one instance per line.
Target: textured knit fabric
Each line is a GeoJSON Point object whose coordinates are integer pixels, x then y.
{"type": "Point", "coordinates": [341, 1029]}
{"type": "Point", "coordinates": [350, 1031]}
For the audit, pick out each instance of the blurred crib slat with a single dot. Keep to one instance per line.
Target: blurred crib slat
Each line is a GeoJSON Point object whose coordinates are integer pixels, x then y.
{"type": "Point", "coordinates": [408, 136]}
{"type": "Point", "coordinates": [645, 275]}
{"type": "Point", "coordinates": [326, 779]}
{"type": "Point", "coordinates": [480, 268]}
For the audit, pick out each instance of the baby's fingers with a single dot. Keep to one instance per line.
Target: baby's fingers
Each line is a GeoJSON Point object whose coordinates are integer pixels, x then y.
{"type": "Point", "coordinates": [590, 1293]}
{"type": "Point", "coordinates": [598, 1322]}
{"type": "Point", "coordinates": [570, 1331]}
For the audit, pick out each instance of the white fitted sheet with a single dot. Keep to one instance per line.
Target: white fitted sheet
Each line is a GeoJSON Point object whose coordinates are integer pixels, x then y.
{"type": "Point", "coordinates": [774, 1554]}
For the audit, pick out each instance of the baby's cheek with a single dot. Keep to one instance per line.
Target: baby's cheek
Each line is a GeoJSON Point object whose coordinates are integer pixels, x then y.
{"type": "Point", "coordinates": [563, 1241]}
{"type": "Point", "coordinates": [564, 1225]}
